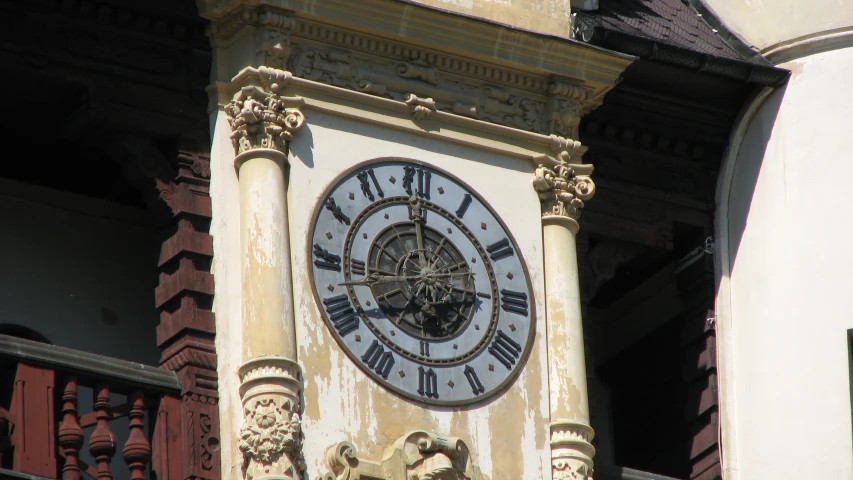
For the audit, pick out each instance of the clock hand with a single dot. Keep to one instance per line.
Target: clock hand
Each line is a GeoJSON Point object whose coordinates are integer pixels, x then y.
{"type": "Point", "coordinates": [417, 217]}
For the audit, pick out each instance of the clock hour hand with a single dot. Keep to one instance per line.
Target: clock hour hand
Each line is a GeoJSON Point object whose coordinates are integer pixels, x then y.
{"type": "Point", "coordinates": [375, 278]}
{"type": "Point", "coordinates": [418, 219]}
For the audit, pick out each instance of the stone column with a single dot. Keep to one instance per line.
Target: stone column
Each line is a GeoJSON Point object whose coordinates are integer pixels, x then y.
{"type": "Point", "coordinates": [562, 189]}
{"type": "Point", "coordinates": [262, 123]}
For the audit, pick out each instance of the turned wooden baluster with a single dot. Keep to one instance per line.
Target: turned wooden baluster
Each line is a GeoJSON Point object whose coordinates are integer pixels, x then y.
{"type": "Point", "coordinates": [70, 433]}
{"type": "Point", "coordinates": [102, 443]}
{"type": "Point", "coordinates": [137, 450]}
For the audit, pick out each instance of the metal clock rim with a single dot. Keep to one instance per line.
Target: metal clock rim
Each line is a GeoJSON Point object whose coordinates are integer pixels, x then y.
{"type": "Point", "coordinates": [531, 335]}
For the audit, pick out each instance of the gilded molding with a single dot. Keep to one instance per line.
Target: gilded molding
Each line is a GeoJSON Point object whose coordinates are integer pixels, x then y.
{"type": "Point", "coordinates": [260, 117]}
{"type": "Point", "coordinates": [271, 434]}
{"type": "Point", "coordinates": [418, 455]}
{"type": "Point", "coordinates": [571, 451]}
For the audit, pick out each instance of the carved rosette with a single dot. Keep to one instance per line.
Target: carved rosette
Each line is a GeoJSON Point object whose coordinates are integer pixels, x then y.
{"type": "Point", "coordinates": [260, 117]}
{"type": "Point", "coordinates": [563, 188]}
{"type": "Point", "coordinates": [418, 455]}
{"type": "Point", "coordinates": [271, 435]}
{"type": "Point", "coordinates": [571, 451]}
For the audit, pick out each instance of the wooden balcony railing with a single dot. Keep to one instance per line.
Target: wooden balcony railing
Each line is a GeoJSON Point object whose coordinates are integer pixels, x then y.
{"type": "Point", "coordinates": [44, 428]}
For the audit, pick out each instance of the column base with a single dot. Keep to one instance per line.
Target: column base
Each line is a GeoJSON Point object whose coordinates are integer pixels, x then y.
{"type": "Point", "coordinates": [571, 450]}
{"type": "Point", "coordinates": [271, 435]}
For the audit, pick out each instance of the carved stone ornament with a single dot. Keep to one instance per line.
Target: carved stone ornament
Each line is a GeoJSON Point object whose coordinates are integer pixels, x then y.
{"type": "Point", "coordinates": [418, 455]}
{"type": "Point", "coordinates": [563, 188]}
{"type": "Point", "coordinates": [271, 435]}
{"type": "Point", "coordinates": [571, 451]}
{"type": "Point", "coordinates": [260, 117]}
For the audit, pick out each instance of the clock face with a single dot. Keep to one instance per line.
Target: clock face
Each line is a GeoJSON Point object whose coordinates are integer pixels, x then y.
{"type": "Point", "coordinates": [420, 283]}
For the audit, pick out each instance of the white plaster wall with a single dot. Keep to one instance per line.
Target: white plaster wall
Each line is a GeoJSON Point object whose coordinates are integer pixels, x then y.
{"type": "Point", "coordinates": [69, 262]}
{"type": "Point", "coordinates": [764, 23]}
{"type": "Point", "coordinates": [507, 434]}
{"type": "Point", "coordinates": [786, 306]}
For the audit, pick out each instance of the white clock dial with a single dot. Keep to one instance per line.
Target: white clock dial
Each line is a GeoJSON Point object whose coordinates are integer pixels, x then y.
{"type": "Point", "coordinates": [420, 283]}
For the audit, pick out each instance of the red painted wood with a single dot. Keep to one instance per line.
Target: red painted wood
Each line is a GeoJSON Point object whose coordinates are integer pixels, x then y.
{"type": "Point", "coordinates": [34, 434]}
{"type": "Point", "coordinates": [70, 432]}
{"type": "Point", "coordinates": [137, 450]}
{"type": "Point", "coordinates": [167, 440]}
{"type": "Point", "coordinates": [102, 443]}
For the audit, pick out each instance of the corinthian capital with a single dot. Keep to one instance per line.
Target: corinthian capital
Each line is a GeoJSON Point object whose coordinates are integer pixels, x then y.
{"type": "Point", "coordinates": [260, 117]}
{"type": "Point", "coordinates": [563, 188]}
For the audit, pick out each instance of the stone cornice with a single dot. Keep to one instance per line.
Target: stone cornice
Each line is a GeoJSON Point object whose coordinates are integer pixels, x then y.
{"type": "Point", "coordinates": [385, 48]}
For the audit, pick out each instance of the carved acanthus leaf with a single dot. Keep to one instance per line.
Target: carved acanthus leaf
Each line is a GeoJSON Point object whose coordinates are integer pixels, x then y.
{"type": "Point", "coordinates": [271, 439]}
{"type": "Point", "coordinates": [260, 117]}
{"type": "Point", "coordinates": [563, 188]}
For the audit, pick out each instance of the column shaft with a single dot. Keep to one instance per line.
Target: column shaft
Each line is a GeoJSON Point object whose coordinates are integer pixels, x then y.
{"type": "Point", "coordinates": [268, 320]}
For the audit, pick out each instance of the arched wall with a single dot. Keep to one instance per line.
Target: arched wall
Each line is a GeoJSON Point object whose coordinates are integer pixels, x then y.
{"type": "Point", "coordinates": [785, 266]}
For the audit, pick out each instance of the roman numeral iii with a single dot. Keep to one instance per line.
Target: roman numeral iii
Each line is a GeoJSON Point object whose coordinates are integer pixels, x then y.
{"type": "Point", "coordinates": [505, 349]}
{"type": "Point", "coordinates": [515, 302]}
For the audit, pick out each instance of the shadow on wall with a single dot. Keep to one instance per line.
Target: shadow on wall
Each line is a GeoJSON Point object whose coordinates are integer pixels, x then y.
{"type": "Point", "coordinates": [750, 158]}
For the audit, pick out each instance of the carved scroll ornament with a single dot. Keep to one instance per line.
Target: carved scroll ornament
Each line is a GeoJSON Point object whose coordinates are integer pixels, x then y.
{"type": "Point", "coordinates": [260, 117]}
{"type": "Point", "coordinates": [563, 188]}
{"type": "Point", "coordinates": [418, 455]}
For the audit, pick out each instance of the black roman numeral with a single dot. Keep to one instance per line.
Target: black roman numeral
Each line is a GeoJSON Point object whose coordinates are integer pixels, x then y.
{"type": "Point", "coordinates": [505, 349]}
{"type": "Point", "coordinates": [408, 178]}
{"type": "Point", "coordinates": [341, 314]}
{"type": "Point", "coordinates": [357, 266]}
{"type": "Point", "coordinates": [427, 383]}
{"type": "Point", "coordinates": [500, 249]}
{"type": "Point", "coordinates": [336, 211]}
{"type": "Point", "coordinates": [424, 177]}
{"type": "Point", "coordinates": [466, 202]}
{"type": "Point", "coordinates": [424, 348]}
{"type": "Point", "coordinates": [378, 359]}
{"type": "Point", "coordinates": [365, 184]}
{"type": "Point", "coordinates": [326, 260]}
{"type": "Point", "coordinates": [515, 302]}
{"type": "Point", "coordinates": [471, 375]}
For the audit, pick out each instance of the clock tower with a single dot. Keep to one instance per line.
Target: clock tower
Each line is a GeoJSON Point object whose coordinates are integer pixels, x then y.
{"type": "Point", "coordinates": [398, 193]}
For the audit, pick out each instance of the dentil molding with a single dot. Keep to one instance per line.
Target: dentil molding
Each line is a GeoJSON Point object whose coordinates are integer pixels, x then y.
{"type": "Point", "coordinates": [418, 455]}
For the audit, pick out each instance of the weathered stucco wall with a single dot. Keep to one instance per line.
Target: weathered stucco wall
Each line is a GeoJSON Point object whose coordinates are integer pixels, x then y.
{"type": "Point", "coordinates": [507, 434]}
{"type": "Point", "coordinates": [783, 302]}
{"type": "Point", "coordinates": [765, 24]}
{"type": "Point", "coordinates": [550, 17]}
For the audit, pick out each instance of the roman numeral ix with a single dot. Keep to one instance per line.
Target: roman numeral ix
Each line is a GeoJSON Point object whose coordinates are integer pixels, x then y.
{"type": "Point", "coordinates": [378, 359]}
{"type": "Point", "coordinates": [326, 260]}
{"type": "Point", "coordinates": [341, 314]}
{"type": "Point", "coordinates": [505, 349]}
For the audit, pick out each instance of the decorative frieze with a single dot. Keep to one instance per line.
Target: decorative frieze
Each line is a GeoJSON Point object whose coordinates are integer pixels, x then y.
{"type": "Point", "coordinates": [571, 451]}
{"type": "Point", "coordinates": [260, 117]}
{"type": "Point", "coordinates": [271, 434]}
{"type": "Point", "coordinates": [392, 69]}
{"type": "Point", "coordinates": [418, 455]}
